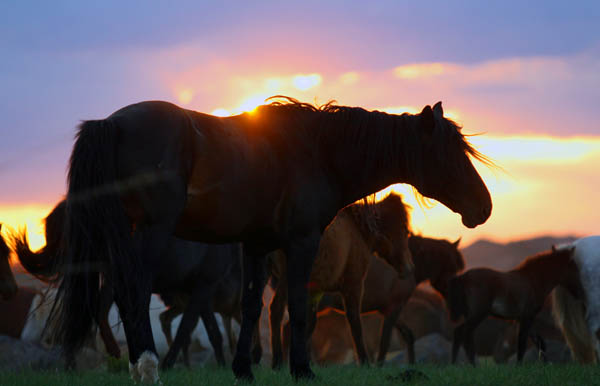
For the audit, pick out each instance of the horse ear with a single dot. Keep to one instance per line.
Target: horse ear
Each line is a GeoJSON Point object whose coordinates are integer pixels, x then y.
{"type": "Point", "coordinates": [437, 108]}
{"type": "Point", "coordinates": [427, 119]}
{"type": "Point", "coordinates": [553, 248]}
{"type": "Point", "coordinates": [457, 242]}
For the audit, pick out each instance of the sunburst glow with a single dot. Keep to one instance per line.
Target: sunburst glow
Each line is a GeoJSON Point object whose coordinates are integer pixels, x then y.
{"type": "Point", "coordinates": [15, 218]}
{"type": "Point", "coordinates": [306, 82]}
{"type": "Point", "coordinates": [185, 96]}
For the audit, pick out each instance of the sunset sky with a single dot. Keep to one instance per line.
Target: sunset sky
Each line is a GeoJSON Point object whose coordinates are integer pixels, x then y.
{"type": "Point", "coordinates": [527, 76]}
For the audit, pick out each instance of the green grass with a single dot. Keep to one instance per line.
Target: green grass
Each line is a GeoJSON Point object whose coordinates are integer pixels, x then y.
{"type": "Point", "coordinates": [560, 375]}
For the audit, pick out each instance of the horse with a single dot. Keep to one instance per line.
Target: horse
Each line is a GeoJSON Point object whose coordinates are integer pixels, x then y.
{"type": "Point", "coordinates": [206, 275]}
{"type": "Point", "coordinates": [24, 316]}
{"type": "Point", "coordinates": [226, 302]}
{"type": "Point", "coordinates": [436, 260]}
{"type": "Point", "coordinates": [576, 307]}
{"type": "Point", "coordinates": [273, 178]}
{"type": "Point", "coordinates": [518, 294]}
{"type": "Point", "coordinates": [8, 285]}
{"type": "Point", "coordinates": [341, 264]}
{"type": "Point", "coordinates": [424, 313]}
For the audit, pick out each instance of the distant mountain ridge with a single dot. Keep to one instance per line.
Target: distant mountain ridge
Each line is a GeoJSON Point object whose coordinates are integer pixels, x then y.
{"type": "Point", "coordinates": [487, 253]}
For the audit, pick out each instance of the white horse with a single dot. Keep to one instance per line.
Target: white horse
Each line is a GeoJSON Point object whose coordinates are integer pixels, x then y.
{"type": "Point", "coordinates": [579, 316]}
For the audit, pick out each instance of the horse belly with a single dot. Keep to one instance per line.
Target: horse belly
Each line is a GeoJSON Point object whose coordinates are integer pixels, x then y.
{"type": "Point", "coordinates": [504, 309]}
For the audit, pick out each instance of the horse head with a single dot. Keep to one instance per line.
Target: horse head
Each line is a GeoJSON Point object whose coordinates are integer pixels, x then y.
{"type": "Point", "coordinates": [391, 243]}
{"type": "Point", "coordinates": [444, 167]}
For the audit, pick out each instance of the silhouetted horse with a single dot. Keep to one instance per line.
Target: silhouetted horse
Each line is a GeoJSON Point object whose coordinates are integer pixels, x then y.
{"type": "Point", "coordinates": [345, 251]}
{"type": "Point", "coordinates": [8, 285]}
{"type": "Point", "coordinates": [425, 313]}
{"type": "Point", "coordinates": [518, 294]}
{"type": "Point", "coordinates": [576, 305]}
{"type": "Point", "coordinates": [436, 260]}
{"type": "Point", "coordinates": [207, 274]}
{"type": "Point", "coordinates": [272, 179]}
{"type": "Point", "coordinates": [226, 302]}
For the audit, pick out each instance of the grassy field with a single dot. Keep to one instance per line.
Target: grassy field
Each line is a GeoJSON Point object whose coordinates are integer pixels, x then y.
{"type": "Point", "coordinates": [561, 375]}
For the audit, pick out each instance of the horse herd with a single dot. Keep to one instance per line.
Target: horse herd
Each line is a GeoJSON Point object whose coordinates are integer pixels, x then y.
{"type": "Point", "coordinates": [204, 210]}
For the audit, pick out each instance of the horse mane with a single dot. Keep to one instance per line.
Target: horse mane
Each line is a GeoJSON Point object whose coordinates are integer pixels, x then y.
{"type": "Point", "coordinates": [380, 138]}
{"type": "Point", "coordinates": [368, 214]}
{"type": "Point", "coordinates": [533, 261]}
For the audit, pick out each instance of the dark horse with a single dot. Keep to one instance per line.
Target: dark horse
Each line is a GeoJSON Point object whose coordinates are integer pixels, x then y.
{"type": "Point", "coordinates": [518, 294]}
{"type": "Point", "coordinates": [272, 179]}
{"type": "Point", "coordinates": [203, 274]}
{"type": "Point", "coordinates": [436, 260]}
{"type": "Point", "coordinates": [8, 285]}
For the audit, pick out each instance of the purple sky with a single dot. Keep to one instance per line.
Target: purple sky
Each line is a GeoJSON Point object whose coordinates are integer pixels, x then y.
{"type": "Point", "coordinates": [65, 61]}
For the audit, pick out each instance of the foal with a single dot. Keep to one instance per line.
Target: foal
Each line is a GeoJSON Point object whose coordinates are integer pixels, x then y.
{"type": "Point", "coordinates": [341, 264]}
{"type": "Point", "coordinates": [436, 260]}
{"type": "Point", "coordinates": [8, 285]}
{"type": "Point", "coordinates": [518, 295]}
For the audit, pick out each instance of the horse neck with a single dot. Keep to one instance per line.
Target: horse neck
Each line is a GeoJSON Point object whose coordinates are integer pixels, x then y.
{"type": "Point", "coordinates": [425, 269]}
{"type": "Point", "coordinates": [547, 273]}
{"type": "Point", "coordinates": [368, 153]}
{"type": "Point", "coordinates": [359, 214]}
{"type": "Point", "coordinates": [428, 266]}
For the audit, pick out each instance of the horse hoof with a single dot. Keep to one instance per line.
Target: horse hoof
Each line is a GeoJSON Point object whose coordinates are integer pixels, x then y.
{"type": "Point", "coordinates": [241, 370]}
{"type": "Point", "coordinates": [167, 363]}
{"type": "Point", "coordinates": [302, 372]}
{"type": "Point", "coordinates": [145, 370]}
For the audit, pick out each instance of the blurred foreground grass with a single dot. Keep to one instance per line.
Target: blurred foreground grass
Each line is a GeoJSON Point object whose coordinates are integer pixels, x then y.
{"type": "Point", "coordinates": [486, 374]}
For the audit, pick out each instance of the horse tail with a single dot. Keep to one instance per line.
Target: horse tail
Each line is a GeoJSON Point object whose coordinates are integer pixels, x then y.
{"type": "Point", "coordinates": [457, 298]}
{"type": "Point", "coordinates": [570, 315]}
{"type": "Point", "coordinates": [96, 243]}
{"type": "Point", "coordinates": [41, 264]}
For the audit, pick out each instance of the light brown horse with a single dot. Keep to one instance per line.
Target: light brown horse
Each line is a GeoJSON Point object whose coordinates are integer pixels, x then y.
{"type": "Point", "coordinates": [341, 264]}
{"type": "Point", "coordinates": [8, 285]}
{"type": "Point", "coordinates": [436, 260]}
{"type": "Point", "coordinates": [425, 313]}
{"type": "Point", "coordinates": [518, 295]}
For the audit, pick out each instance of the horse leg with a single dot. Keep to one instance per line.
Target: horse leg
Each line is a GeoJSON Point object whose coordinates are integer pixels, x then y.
{"type": "Point", "coordinates": [469, 331]}
{"type": "Point", "coordinates": [276, 310]}
{"type": "Point", "coordinates": [524, 326]}
{"type": "Point", "coordinates": [311, 323]}
{"type": "Point", "coordinates": [540, 343]}
{"type": "Point", "coordinates": [386, 332]}
{"type": "Point", "coordinates": [256, 345]}
{"type": "Point", "coordinates": [409, 338]}
{"type": "Point", "coordinates": [166, 318]}
{"type": "Point", "coordinates": [300, 256]}
{"type": "Point", "coordinates": [106, 301]}
{"type": "Point", "coordinates": [457, 341]}
{"type": "Point", "coordinates": [214, 334]}
{"type": "Point", "coordinates": [229, 332]}
{"type": "Point", "coordinates": [199, 305]}
{"type": "Point", "coordinates": [143, 359]}
{"type": "Point", "coordinates": [352, 302]}
{"type": "Point", "coordinates": [253, 280]}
